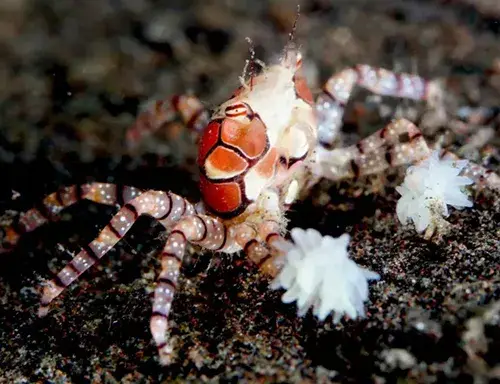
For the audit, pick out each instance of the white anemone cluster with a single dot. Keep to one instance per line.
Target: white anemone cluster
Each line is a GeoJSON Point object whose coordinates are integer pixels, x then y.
{"type": "Point", "coordinates": [319, 274]}
{"type": "Point", "coordinates": [428, 189]}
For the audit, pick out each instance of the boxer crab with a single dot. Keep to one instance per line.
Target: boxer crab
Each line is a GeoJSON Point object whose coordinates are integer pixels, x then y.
{"type": "Point", "coordinates": [258, 152]}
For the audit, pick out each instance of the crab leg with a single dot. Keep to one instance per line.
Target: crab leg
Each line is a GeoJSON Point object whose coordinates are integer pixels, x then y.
{"type": "Point", "coordinates": [53, 204]}
{"type": "Point", "coordinates": [158, 204]}
{"type": "Point", "coordinates": [203, 230]}
{"type": "Point", "coordinates": [188, 108]}
{"type": "Point", "coordinates": [400, 142]}
{"type": "Point", "coordinates": [338, 89]}
{"type": "Point", "coordinates": [265, 253]}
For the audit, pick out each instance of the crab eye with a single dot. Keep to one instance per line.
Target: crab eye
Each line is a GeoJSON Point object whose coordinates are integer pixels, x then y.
{"type": "Point", "coordinates": [238, 110]}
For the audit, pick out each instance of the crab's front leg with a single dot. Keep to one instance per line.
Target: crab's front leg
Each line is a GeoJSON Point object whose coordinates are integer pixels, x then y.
{"type": "Point", "coordinates": [260, 244]}
{"type": "Point", "coordinates": [187, 108]}
{"type": "Point", "coordinates": [315, 270]}
{"type": "Point", "coordinates": [399, 143]}
{"type": "Point", "coordinates": [330, 104]}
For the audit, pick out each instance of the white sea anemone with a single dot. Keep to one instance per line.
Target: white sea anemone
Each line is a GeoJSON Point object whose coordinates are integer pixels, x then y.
{"type": "Point", "coordinates": [428, 189]}
{"type": "Point", "coordinates": [318, 273]}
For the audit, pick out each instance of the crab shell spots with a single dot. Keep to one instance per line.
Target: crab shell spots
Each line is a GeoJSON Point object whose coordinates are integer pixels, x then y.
{"type": "Point", "coordinates": [223, 163]}
{"type": "Point", "coordinates": [221, 197]}
{"type": "Point", "coordinates": [250, 138]}
{"type": "Point", "coordinates": [302, 89]}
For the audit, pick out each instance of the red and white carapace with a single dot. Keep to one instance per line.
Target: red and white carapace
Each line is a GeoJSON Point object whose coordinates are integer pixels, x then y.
{"type": "Point", "coordinates": [258, 151]}
{"type": "Point", "coordinates": [254, 140]}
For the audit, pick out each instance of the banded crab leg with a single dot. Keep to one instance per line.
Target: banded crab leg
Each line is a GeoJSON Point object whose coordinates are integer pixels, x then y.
{"type": "Point", "coordinates": [399, 143]}
{"type": "Point", "coordinates": [166, 207]}
{"type": "Point", "coordinates": [331, 103]}
{"type": "Point", "coordinates": [53, 204]}
{"type": "Point", "coordinates": [260, 244]}
{"type": "Point", "coordinates": [189, 109]}
{"type": "Point", "coordinates": [208, 232]}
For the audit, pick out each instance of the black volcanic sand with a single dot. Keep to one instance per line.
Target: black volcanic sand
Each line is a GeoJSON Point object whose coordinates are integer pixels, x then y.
{"type": "Point", "coordinates": [433, 317]}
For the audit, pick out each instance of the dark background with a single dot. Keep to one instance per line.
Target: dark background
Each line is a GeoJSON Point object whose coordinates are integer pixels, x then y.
{"type": "Point", "coordinates": [73, 74]}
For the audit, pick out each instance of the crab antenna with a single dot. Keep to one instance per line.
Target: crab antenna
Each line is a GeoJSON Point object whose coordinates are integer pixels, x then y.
{"type": "Point", "coordinates": [291, 35]}
{"type": "Point", "coordinates": [252, 60]}
{"type": "Point", "coordinates": [251, 48]}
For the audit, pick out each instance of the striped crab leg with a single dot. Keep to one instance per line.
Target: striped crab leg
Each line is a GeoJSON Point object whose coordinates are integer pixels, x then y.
{"type": "Point", "coordinates": [336, 92]}
{"type": "Point", "coordinates": [189, 109]}
{"type": "Point", "coordinates": [399, 143]}
{"type": "Point", "coordinates": [53, 204]}
{"type": "Point", "coordinates": [166, 207]}
{"type": "Point", "coordinates": [206, 231]}
{"type": "Point", "coordinates": [260, 244]}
